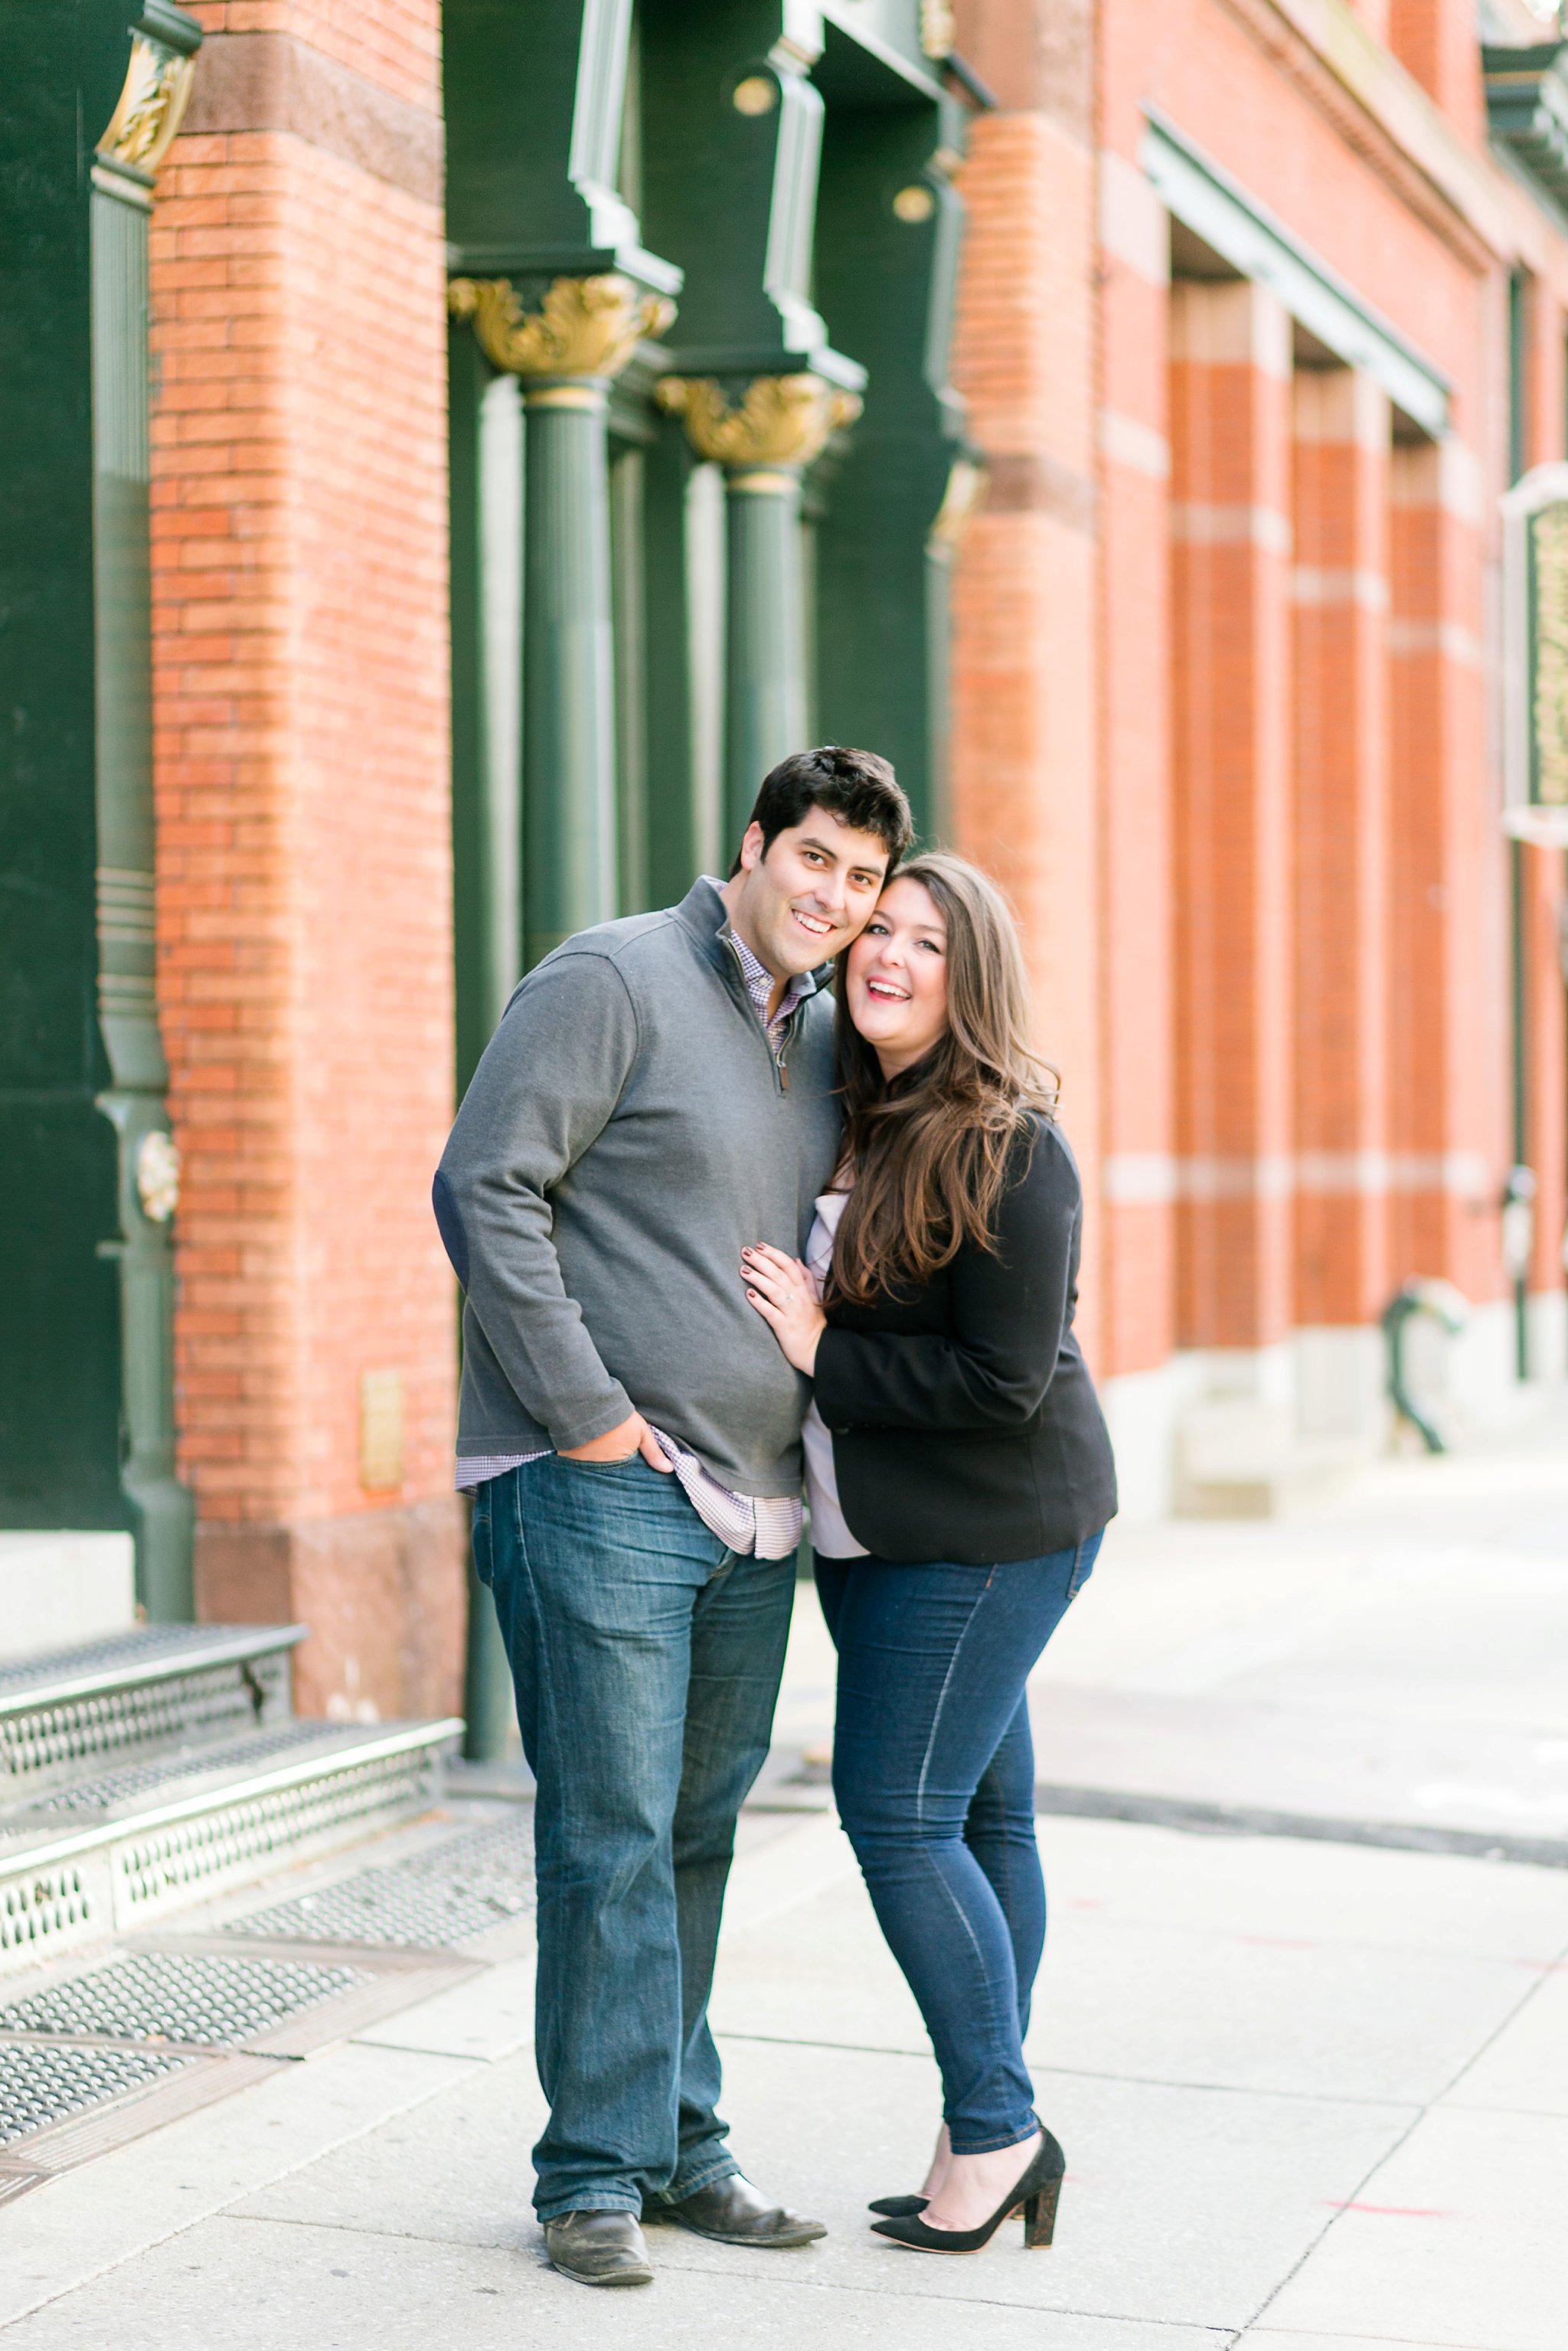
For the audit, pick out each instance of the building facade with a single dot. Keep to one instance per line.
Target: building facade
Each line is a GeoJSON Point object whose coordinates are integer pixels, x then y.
{"type": "Point", "coordinates": [1262, 314]}
{"type": "Point", "coordinates": [455, 451]}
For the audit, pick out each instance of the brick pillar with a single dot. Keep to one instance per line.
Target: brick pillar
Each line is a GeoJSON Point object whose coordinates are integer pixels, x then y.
{"type": "Point", "coordinates": [1024, 694]}
{"type": "Point", "coordinates": [299, 294]}
{"type": "Point", "coordinates": [1230, 643]}
{"type": "Point", "coordinates": [1340, 592]}
{"type": "Point", "coordinates": [1138, 1208]}
{"type": "Point", "coordinates": [1446, 1006]}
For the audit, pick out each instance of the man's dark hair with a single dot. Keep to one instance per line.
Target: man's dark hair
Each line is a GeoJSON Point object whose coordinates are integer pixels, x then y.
{"type": "Point", "coordinates": [856, 786]}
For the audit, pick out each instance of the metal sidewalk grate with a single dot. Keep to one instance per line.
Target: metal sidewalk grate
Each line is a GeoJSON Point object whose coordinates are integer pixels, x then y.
{"type": "Point", "coordinates": [41, 2086]}
{"type": "Point", "coordinates": [72, 1732]}
{"type": "Point", "coordinates": [186, 1997]}
{"type": "Point", "coordinates": [142, 1779]}
{"type": "Point", "coordinates": [175, 1643]}
{"type": "Point", "coordinates": [438, 1897]}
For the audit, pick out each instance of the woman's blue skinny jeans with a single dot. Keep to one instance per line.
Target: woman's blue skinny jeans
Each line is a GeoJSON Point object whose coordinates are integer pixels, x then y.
{"type": "Point", "coordinates": [934, 1774]}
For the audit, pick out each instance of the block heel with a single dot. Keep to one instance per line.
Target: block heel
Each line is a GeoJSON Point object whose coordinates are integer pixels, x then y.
{"type": "Point", "coordinates": [1039, 2215]}
{"type": "Point", "coordinates": [1035, 2193]}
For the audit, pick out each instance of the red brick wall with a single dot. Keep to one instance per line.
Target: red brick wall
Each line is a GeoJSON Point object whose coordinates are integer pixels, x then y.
{"type": "Point", "coordinates": [1232, 700]}
{"type": "Point", "coordinates": [1339, 584]}
{"type": "Point", "coordinates": [1136, 1209]}
{"type": "Point", "coordinates": [1418, 892]}
{"type": "Point", "coordinates": [1437, 40]}
{"type": "Point", "coordinates": [1447, 1106]}
{"type": "Point", "coordinates": [1024, 700]}
{"type": "Point", "coordinates": [302, 779]}
{"type": "Point", "coordinates": [1253, 843]}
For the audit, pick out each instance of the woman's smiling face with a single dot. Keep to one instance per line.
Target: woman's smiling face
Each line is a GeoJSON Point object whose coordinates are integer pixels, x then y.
{"type": "Point", "coordinates": [895, 978]}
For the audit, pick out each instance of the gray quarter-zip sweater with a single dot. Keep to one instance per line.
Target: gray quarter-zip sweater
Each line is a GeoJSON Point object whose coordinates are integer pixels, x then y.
{"type": "Point", "coordinates": [628, 1130]}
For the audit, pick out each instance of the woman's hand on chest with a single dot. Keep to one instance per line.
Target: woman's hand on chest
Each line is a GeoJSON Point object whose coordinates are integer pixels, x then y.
{"type": "Point", "coordinates": [785, 1295]}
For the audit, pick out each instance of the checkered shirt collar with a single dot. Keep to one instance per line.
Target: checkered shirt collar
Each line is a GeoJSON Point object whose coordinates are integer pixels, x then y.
{"type": "Point", "coordinates": [759, 984]}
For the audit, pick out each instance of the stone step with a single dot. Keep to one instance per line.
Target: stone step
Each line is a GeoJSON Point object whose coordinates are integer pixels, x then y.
{"type": "Point", "coordinates": [60, 1584]}
{"type": "Point", "coordinates": [1240, 1458]}
{"type": "Point", "coordinates": [108, 1854]}
{"type": "Point", "coordinates": [67, 1715]}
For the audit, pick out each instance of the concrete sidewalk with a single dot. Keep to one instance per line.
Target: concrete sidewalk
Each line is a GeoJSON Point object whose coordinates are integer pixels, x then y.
{"type": "Point", "coordinates": [1314, 2094]}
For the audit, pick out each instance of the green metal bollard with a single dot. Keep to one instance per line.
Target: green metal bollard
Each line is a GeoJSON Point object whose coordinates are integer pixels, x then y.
{"type": "Point", "coordinates": [1447, 1308]}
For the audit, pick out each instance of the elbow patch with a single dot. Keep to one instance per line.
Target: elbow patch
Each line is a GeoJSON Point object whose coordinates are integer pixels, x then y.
{"type": "Point", "coordinates": [453, 1240]}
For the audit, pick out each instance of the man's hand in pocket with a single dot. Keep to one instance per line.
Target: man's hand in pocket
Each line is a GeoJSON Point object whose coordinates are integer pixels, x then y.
{"type": "Point", "coordinates": [633, 1436]}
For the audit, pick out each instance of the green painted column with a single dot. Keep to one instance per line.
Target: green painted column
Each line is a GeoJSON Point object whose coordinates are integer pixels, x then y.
{"type": "Point", "coordinates": [144, 127]}
{"type": "Point", "coordinates": [540, 157]}
{"type": "Point", "coordinates": [486, 500]}
{"type": "Point", "coordinates": [489, 1706]}
{"type": "Point", "coordinates": [567, 354]}
{"type": "Point", "coordinates": [765, 443]}
{"type": "Point", "coordinates": [487, 826]}
{"type": "Point", "coordinates": [682, 603]}
{"type": "Point", "coordinates": [765, 636]}
{"type": "Point", "coordinates": [570, 855]}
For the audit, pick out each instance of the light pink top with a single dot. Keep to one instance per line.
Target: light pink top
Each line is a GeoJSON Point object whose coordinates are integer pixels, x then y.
{"type": "Point", "coordinates": [830, 1535]}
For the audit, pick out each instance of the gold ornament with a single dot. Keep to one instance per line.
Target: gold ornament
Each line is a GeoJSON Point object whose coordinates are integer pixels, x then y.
{"type": "Point", "coordinates": [938, 31]}
{"type": "Point", "coordinates": [158, 1176]}
{"type": "Point", "coordinates": [157, 89]}
{"type": "Point", "coordinates": [755, 95]}
{"type": "Point", "coordinates": [961, 502]}
{"type": "Point", "coordinates": [584, 326]}
{"type": "Point", "coordinates": [784, 420]}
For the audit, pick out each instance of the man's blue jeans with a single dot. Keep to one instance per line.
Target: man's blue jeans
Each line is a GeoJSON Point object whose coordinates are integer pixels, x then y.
{"type": "Point", "coordinates": [933, 1773]}
{"type": "Point", "coordinates": [647, 1660]}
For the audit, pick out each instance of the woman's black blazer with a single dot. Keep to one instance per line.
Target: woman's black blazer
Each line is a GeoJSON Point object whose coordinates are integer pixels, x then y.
{"type": "Point", "coordinates": [965, 1424]}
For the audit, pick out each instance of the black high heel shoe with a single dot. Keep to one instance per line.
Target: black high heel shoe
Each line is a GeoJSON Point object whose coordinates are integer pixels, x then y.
{"type": "Point", "coordinates": [898, 2207]}
{"type": "Point", "coordinates": [1036, 2193]}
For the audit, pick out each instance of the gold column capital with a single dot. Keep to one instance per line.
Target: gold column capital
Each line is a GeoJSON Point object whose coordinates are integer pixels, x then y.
{"type": "Point", "coordinates": [152, 102]}
{"type": "Point", "coordinates": [938, 28]}
{"type": "Point", "coordinates": [583, 326]}
{"type": "Point", "coordinates": [783, 420]}
{"type": "Point", "coordinates": [961, 502]}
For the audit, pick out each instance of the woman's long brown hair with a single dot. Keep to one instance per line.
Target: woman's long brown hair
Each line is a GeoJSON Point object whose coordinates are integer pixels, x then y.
{"type": "Point", "coordinates": [928, 1151]}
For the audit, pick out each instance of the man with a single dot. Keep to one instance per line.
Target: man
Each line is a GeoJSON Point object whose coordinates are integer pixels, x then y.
{"type": "Point", "coordinates": [658, 1095]}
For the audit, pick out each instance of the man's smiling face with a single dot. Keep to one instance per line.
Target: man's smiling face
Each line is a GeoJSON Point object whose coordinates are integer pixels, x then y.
{"type": "Point", "coordinates": [810, 895]}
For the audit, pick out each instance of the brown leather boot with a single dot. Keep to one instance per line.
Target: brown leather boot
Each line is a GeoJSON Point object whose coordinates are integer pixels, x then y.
{"type": "Point", "coordinates": [599, 2248]}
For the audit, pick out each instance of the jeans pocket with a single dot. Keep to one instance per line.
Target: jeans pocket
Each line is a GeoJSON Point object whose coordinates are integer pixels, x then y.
{"type": "Point", "coordinates": [602, 1469]}
{"type": "Point", "coordinates": [482, 1537]}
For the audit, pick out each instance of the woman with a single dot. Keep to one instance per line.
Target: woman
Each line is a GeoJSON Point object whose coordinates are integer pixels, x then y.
{"type": "Point", "coordinates": [960, 1477]}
